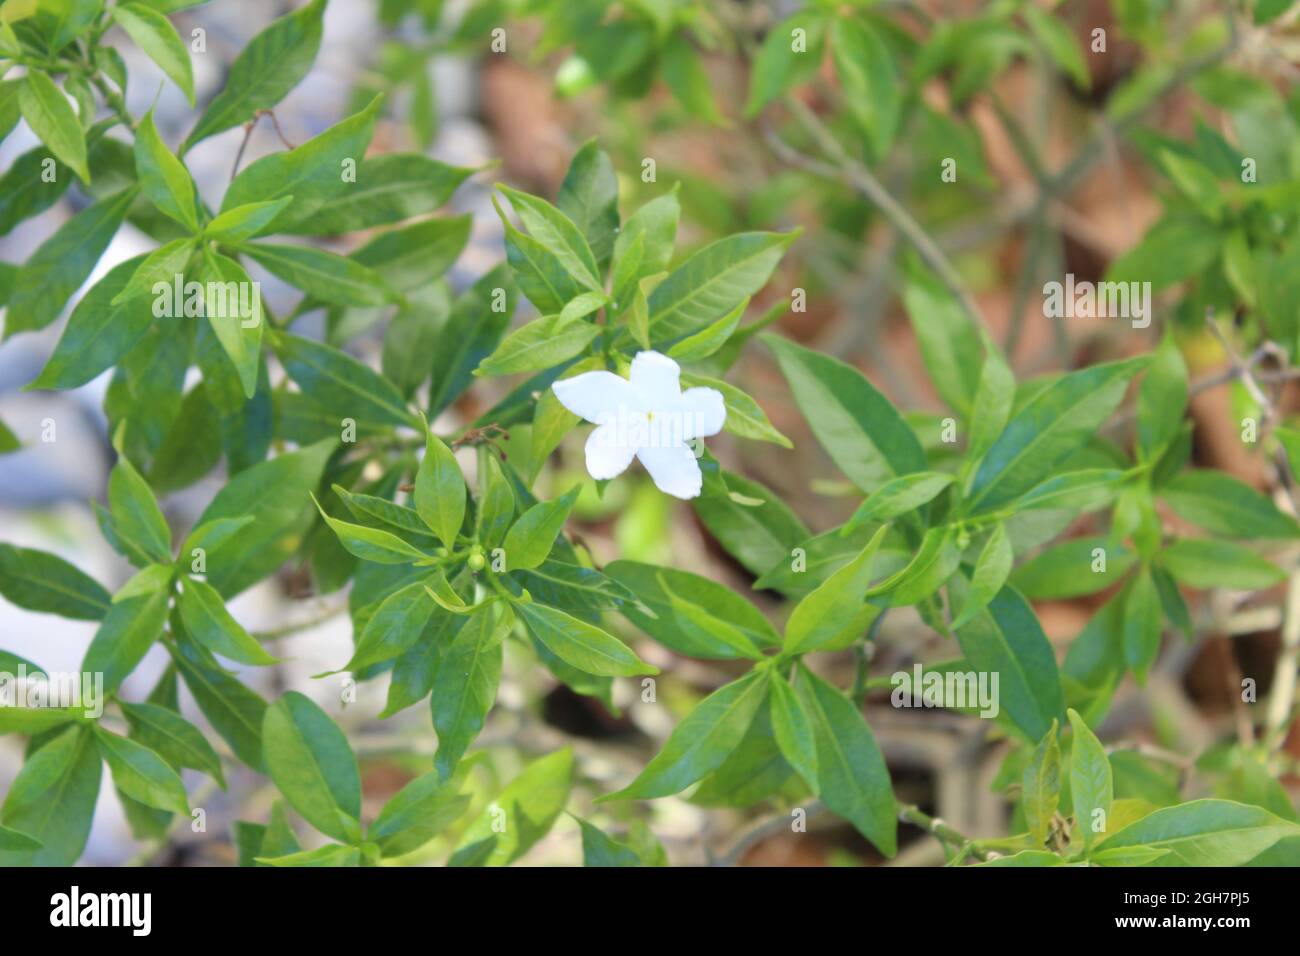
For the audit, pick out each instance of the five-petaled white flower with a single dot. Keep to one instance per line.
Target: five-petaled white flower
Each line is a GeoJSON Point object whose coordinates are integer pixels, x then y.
{"type": "Point", "coordinates": [646, 416]}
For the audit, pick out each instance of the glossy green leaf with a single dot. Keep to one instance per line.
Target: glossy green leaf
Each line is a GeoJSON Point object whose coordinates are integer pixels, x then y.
{"type": "Point", "coordinates": [153, 33]}
{"type": "Point", "coordinates": [273, 63]}
{"type": "Point", "coordinates": [861, 431]}
{"type": "Point", "coordinates": [701, 742]}
{"type": "Point", "coordinates": [580, 644]}
{"type": "Point", "coordinates": [40, 581]}
{"type": "Point", "coordinates": [141, 774]}
{"type": "Point", "coordinates": [851, 772]}
{"type": "Point", "coordinates": [312, 765]}
{"type": "Point", "coordinates": [440, 491]}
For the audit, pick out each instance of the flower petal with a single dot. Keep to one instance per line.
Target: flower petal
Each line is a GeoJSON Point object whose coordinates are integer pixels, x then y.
{"type": "Point", "coordinates": [594, 396]}
{"type": "Point", "coordinates": [674, 470]}
{"type": "Point", "coordinates": [608, 453]}
{"type": "Point", "coordinates": [705, 411]}
{"type": "Point", "coordinates": [654, 378]}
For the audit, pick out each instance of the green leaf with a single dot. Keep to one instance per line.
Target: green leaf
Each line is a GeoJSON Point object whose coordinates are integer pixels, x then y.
{"type": "Point", "coordinates": [991, 571]}
{"type": "Point", "coordinates": [63, 263]}
{"type": "Point", "coordinates": [331, 855]}
{"type": "Point", "coordinates": [704, 343]}
{"type": "Point", "coordinates": [310, 762]}
{"type": "Point", "coordinates": [1041, 786]}
{"type": "Point", "coordinates": [531, 803]}
{"type": "Point", "coordinates": [154, 34]}
{"type": "Point", "coordinates": [395, 626]}
{"type": "Point", "coordinates": [851, 772]}
{"type": "Point", "coordinates": [234, 710]}
{"type": "Point", "coordinates": [331, 278]}
{"type": "Point", "coordinates": [372, 544]}
{"type": "Point", "coordinates": [465, 684]}
{"type": "Point", "coordinates": [991, 407]}
{"type": "Point", "coordinates": [589, 198]}
{"type": "Point", "coordinates": [714, 281]}
{"type": "Point", "coordinates": [689, 80]}
{"type": "Point", "coordinates": [98, 333]}
{"type": "Point", "coordinates": [599, 850]}
{"type": "Point", "coordinates": [496, 501]}
{"type": "Point", "coordinates": [539, 272]}
{"type": "Point", "coordinates": [899, 496]}
{"type": "Point", "coordinates": [1142, 620]}
{"type": "Point", "coordinates": [205, 616]}
{"type": "Point", "coordinates": [417, 813]}
{"type": "Point", "coordinates": [52, 800]}
{"type": "Point", "coordinates": [313, 174]}
{"type": "Point", "coordinates": [1162, 400]}
{"type": "Point", "coordinates": [274, 494]}
{"type": "Point", "coordinates": [574, 588]}
{"type": "Point", "coordinates": [861, 431]}
{"type": "Point", "coordinates": [125, 636]}
{"type": "Point", "coordinates": [163, 177]}
{"type": "Point", "coordinates": [389, 188]}
{"type": "Point", "coordinates": [701, 742]}
{"type": "Point", "coordinates": [1204, 833]}
{"type": "Point", "coordinates": [1057, 39]}
{"type": "Point", "coordinates": [232, 304]}
{"type": "Point", "coordinates": [837, 606]}
{"type": "Point", "coordinates": [244, 222]}
{"type": "Point", "coordinates": [1205, 563]}
{"type": "Point", "coordinates": [531, 538]}
{"type": "Point", "coordinates": [341, 383]}
{"type": "Point", "coordinates": [440, 491]}
{"type": "Point", "coordinates": [162, 265]}
{"type": "Point", "coordinates": [950, 344]}
{"type": "Point", "coordinates": [793, 730]}
{"type": "Point", "coordinates": [47, 112]}
{"type": "Point", "coordinates": [542, 343]}
{"type": "Point", "coordinates": [652, 229]}
{"type": "Point", "coordinates": [410, 257]}
{"type": "Point", "coordinates": [15, 842]}
{"type": "Point", "coordinates": [1092, 785]}
{"type": "Point", "coordinates": [1175, 248]}
{"type": "Point", "coordinates": [40, 581]}
{"type": "Point", "coordinates": [61, 21]}
{"type": "Point", "coordinates": [141, 774]}
{"type": "Point", "coordinates": [580, 644]}
{"type": "Point", "coordinates": [137, 519]}
{"type": "Point", "coordinates": [791, 53]}
{"type": "Point", "coordinates": [1055, 423]}
{"type": "Point", "coordinates": [1075, 491]}
{"type": "Point", "coordinates": [659, 593]}
{"type": "Point", "coordinates": [557, 233]}
{"type": "Point", "coordinates": [1220, 503]}
{"type": "Point", "coordinates": [872, 87]}
{"type": "Point", "coordinates": [270, 66]}
{"type": "Point", "coordinates": [758, 530]}
{"type": "Point", "coordinates": [1006, 638]}
{"type": "Point", "coordinates": [1072, 569]}
{"type": "Point", "coordinates": [172, 736]}
{"type": "Point", "coordinates": [478, 320]}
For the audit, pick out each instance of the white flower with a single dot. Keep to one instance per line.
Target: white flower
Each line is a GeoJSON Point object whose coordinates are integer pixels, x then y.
{"type": "Point", "coordinates": [646, 416]}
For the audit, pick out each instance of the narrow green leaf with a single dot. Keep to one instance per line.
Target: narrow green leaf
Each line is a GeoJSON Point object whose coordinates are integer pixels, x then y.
{"type": "Point", "coordinates": [141, 774]}
{"type": "Point", "coordinates": [153, 33]}
{"type": "Point", "coordinates": [701, 742]}
{"type": "Point", "coordinates": [1092, 784]}
{"type": "Point", "coordinates": [440, 491]}
{"type": "Point", "coordinates": [51, 118]}
{"type": "Point", "coordinates": [581, 645]}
